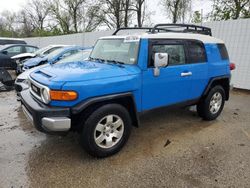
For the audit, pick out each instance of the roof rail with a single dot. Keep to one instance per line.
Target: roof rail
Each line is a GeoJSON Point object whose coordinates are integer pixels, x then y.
{"type": "Point", "coordinates": [179, 28]}
{"type": "Point", "coordinates": [138, 28]}
{"type": "Point", "coordinates": [183, 28]}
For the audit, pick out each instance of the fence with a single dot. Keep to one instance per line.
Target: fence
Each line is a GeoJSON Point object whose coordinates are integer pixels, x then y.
{"type": "Point", "coordinates": [235, 33]}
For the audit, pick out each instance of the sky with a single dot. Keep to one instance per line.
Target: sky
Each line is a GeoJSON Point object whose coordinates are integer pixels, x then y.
{"type": "Point", "coordinates": [154, 6]}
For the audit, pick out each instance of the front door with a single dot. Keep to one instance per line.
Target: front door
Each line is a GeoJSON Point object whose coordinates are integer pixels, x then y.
{"type": "Point", "coordinates": [174, 82]}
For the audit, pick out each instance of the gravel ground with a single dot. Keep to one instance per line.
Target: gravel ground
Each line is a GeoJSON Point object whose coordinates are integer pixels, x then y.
{"type": "Point", "coordinates": [171, 148]}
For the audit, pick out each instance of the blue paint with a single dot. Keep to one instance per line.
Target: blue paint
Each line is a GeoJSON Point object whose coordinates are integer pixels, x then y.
{"type": "Point", "coordinates": [47, 59]}
{"type": "Point", "coordinates": [92, 78]}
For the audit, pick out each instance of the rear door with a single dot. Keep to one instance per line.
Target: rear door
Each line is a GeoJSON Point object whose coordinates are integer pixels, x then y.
{"type": "Point", "coordinates": [198, 66]}
{"type": "Point", "coordinates": [174, 82]}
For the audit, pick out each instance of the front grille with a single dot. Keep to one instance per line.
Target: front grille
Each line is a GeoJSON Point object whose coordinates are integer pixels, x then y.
{"type": "Point", "coordinates": [18, 80]}
{"type": "Point", "coordinates": [35, 89]}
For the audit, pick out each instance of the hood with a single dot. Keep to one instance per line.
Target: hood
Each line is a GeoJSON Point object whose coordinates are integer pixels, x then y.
{"type": "Point", "coordinates": [34, 61]}
{"type": "Point", "coordinates": [23, 55]}
{"type": "Point", "coordinates": [82, 71]}
{"type": "Point", "coordinates": [26, 73]}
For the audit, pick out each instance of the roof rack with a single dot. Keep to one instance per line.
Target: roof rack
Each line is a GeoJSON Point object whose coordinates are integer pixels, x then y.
{"type": "Point", "coordinates": [183, 28]}
{"type": "Point", "coordinates": [179, 28]}
{"type": "Point", "coordinates": [149, 29]}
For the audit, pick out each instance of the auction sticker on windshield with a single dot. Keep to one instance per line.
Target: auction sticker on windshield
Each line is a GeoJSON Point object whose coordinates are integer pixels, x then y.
{"type": "Point", "coordinates": [132, 39]}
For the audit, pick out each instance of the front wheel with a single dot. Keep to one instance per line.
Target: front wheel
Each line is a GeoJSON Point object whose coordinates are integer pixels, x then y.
{"type": "Point", "coordinates": [106, 130]}
{"type": "Point", "coordinates": [211, 106]}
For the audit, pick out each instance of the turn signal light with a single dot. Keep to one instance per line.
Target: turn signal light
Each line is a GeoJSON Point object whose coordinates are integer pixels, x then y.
{"type": "Point", "coordinates": [63, 95]}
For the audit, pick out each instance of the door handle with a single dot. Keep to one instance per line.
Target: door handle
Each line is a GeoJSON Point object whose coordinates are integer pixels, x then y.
{"type": "Point", "coordinates": [186, 74]}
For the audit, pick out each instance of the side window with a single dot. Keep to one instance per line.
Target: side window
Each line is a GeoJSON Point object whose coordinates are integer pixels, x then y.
{"type": "Point", "coordinates": [51, 50]}
{"type": "Point", "coordinates": [30, 49]}
{"type": "Point", "coordinates": [15, 49]}
{"type": "Point", "coordinates": [176, 53]}
{"type": "Point", "coordinates": [223, 51]}
{"type": "Point", "coordinates": [196, 52]}
{"type": "Point", "coordinates": [69, 53]}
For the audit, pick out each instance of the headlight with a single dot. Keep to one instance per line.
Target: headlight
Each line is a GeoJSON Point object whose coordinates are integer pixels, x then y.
{"type": "Point", "coordinates": [45, 95]}
{"type": "Point", "coordinates": [26, 82]}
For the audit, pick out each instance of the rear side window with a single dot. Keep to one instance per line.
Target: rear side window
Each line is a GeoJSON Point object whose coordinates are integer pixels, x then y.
{"type": "Point", "coordinates": [30, 49]}
{"type": "Point", "coordinates": [223, 51]}
{"type": "Point", "coordinates": [196, 52]}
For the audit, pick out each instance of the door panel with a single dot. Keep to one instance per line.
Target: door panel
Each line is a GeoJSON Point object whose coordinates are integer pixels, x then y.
{"type": "Point", "coordinates": [174, 82]}
{"type": "Point", "coordinates": [166, 89]}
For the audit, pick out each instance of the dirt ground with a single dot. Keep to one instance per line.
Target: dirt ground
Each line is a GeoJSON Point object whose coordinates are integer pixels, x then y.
{"type": "Point", "coordinates": [171, 148]}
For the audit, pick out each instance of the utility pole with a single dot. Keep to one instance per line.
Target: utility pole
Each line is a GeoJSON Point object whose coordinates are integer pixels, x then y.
{"type": "Point", "coordinates": [201, 16]}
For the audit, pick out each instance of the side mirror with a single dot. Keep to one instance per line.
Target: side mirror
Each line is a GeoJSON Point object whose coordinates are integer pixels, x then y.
{"type": "Point", "coordinates": [5, 52]}
{"type": "Point", "coordinates": [160, 60]}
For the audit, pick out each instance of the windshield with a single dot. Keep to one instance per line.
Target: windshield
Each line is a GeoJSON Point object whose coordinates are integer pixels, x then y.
{"type": "Point", "coordinates": [55, 53]}
{"type": "Point", "coordinates": [41, 50]}
{"type": "Point", "coordinates": [79, 56]}
{"type": "Point", "coordinates": [119, 50]}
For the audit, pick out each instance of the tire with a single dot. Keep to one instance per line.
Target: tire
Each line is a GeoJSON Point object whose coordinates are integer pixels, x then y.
{"type": "Point", "coordinates": [96, 140]}
{"type": "Point", "coordinates": [211, 106]}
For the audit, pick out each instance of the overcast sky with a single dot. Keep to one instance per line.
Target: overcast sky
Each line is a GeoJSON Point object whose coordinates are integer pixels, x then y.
{"type": "Point", "coordinates": [153, 5]}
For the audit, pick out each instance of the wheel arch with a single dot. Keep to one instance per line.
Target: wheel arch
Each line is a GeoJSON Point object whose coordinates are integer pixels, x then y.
{"type": "Point", "coordinates": [85, 108]}
{"type": "Point", "coordinates": [223, 81]}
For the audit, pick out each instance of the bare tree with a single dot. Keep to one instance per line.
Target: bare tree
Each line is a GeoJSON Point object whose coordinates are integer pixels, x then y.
{"type": "Point", "coordinates": [230, 9]}
{"type": "Point", "coordinates": [139, 7]}
{"type": "Point", "coordinates": [74, 9]}
{"type": "Point", "coordinates": [60, 15]}
{"type": "Point", "coordinates": [26, 29]}
{"type": "Point", "coordinates": [177, 9]}
{"type": "Point", "coordinates": [92, 18]}
{"type": "Point", "coordinates": [37, 11]}
{"type": "Point", "coordinates": [113, 13]}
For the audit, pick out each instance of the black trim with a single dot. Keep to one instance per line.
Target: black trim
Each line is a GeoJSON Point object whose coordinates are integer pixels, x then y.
{"type": "Point", "coordinates": [186, 28]}
{"type": "Point", "coordinates": [177, 105]}
{"type": "Point", "coordinates": [212, 80]}
{"type": "Point", "coordinates": [39, 110]}
{"type": "Point", "coordinates": [149, 29]}
{"type": "Point", "coordinates": [83, 105]}
{"type": "Point", "coordinates": [91, 101]}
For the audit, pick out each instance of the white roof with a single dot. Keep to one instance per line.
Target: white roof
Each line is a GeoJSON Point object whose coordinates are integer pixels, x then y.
{"type": "Point", "coordinates": [6, 38]}
{"type": "Point", "coordinates": [171, 35]}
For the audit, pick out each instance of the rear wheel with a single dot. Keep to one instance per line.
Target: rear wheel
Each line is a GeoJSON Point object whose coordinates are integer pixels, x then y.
{"type": "Point", "coordinates": [106, 130]}
{"type": "Point", "coordinates": [211, 106]}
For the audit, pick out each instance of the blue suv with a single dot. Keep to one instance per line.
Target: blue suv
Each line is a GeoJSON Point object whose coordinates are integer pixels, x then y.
{"type": "Point", "coordinates": [102, 97]}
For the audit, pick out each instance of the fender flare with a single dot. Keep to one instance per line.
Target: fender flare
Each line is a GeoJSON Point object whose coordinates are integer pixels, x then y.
{"type": "Point", "coordinates": [213, 80]}
{"type": "Point", "coordinates": [80, 107]}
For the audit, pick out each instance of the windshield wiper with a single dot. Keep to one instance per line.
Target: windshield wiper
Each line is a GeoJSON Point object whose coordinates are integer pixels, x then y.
{"type": "Point", "coordinates": [118, 63]}
{"type": "Point", "coordinates": [96, 59]}
{"type": "Point", "coordinates": [115, 62]}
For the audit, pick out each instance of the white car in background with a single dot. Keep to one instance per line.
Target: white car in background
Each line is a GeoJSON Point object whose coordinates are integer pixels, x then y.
{"type": "Point", "coordinates": [41, 53]}
{"type": "Point", "coordinates": [22, 83]}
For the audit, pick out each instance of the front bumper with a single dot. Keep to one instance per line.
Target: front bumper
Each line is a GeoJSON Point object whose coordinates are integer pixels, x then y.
{"type": "Point", "coordinates": [45, 118]}
{"type": "Point", "coordinates": [20, 86]}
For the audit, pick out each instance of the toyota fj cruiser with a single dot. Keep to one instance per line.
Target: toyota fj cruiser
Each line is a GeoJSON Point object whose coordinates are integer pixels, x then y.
{"type": "Point", "coordinates": [125, 75]}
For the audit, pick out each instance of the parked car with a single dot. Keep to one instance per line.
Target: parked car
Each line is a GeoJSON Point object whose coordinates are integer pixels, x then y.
{"type": "Point", "coordinates": [7, 51]}
{"type": "Point", "coordinates": [125, 75]}
{"type": "Point", "coordinates": [4, 41]}
{"type": "Point", "coordinates": [20, 58]}
{"type": "Point", "coordinates": [22, 83]}
{"type": "Point", "coordinates": [51, 57]}
{"type": "Point", "coordinates": [79, 56]}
